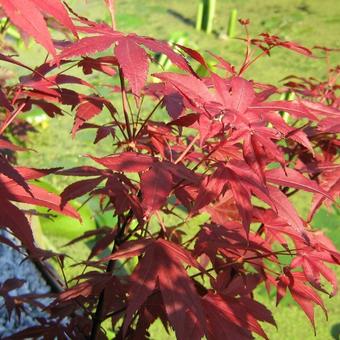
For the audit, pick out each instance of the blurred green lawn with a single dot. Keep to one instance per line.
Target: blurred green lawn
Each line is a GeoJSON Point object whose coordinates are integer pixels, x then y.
{"type": "Point", "coordinates": [308, 22]}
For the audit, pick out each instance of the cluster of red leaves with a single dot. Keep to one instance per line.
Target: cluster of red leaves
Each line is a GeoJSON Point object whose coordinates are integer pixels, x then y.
{"type": "Point", "coordinates": [223, 151]}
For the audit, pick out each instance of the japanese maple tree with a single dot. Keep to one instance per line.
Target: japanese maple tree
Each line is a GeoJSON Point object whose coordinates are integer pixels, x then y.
{"type": "Point", "coordinates": [200, 178]}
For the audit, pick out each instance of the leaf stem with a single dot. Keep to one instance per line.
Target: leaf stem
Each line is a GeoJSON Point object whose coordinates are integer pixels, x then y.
{"type": "Point", "coordinates": [124, 103]}
{"type": "Point", "coordinates": [10, 118]}
{"type": "Point", "coordinates": [185, 152]}
{"type": "Point", "coordinates": [149, 116]}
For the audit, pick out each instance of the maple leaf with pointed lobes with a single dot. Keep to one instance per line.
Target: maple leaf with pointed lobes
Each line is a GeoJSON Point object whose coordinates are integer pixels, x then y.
{"type": "Point", "coordinates": [126, 161]}
{"type": "Point", "coordinates": [223, 210]}
{"type": "Point", "coordinates": [134, 62]}
{"type": "Point", "coordinates": [304, 295]}
{"type": "Point", "coordinates": [32, 173]}
{"type": "Point", "coordinates": [101, 64]}
{"type": "Point", "coordinates": [85, 111]}
{"type": "Point", "coordinates": [295, 134]}
{"type": "Point", "coordinates": [156, 185]}
{"type": "Point", "coordinates": [211, 187]}
{"type": "Point", "coordinates": [242, 94]}
{"type": "Point", "coordinates": [173, 102]}
{"type": "Point", "coordinates": [56, 9]}
{"type": "Point", "coordinates": [331, 182]}
{"type": "Point", "coordinates": [292, 178]}
{"type": "Point", "coordinates": [10, 172]}
{"type": "Point", "coordinates": [230, 318]}
{"type": "Point", "coordinates": [191, 87]}
{"type": "Point", "coordinates": [273, 40]}
{"type": "Point", "coordinates": [13, 218]}
{"type": "Point", "coordinates": [131, 57]}
{"type": "Point", "coordinates": [82, 171]}
{"type": "Point", "coordinates": [103, 132]}
{"type": "Point", "coordinates": [287, 212]}
{"type": "Point", "coordinates": [4, 144]}
{"type": "Point", "coordinates": [36, 196]}
{"type": "Point", "coordinates": [162, 264]}
{"type": "Point", "coordinates": [78, 189]}
{"type": "Point", "coordinates": [88, 45]}
{"type": "Point", "coordinates": [13, 187]}
{"type": "Point", "coordinates": [242, 198]}
{"type": "Point", "coordinates": [163, 47]}
{"type": "Point", "coordinates": [57, 79]}
{"type": "Point", "coordinates": [5, 102]}
{"type": "Point", "coordinates": [313, 268]}
{"type": "Point", "coordinates": [28, 16]}
{"type": "Point", "coordinates": [254, 156]}
{"type": "Point", "coordinates": [294, 108]}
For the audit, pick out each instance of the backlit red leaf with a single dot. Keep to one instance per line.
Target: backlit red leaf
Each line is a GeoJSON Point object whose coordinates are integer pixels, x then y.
{"type": "Point", "coordinates": [78, 189]}
{"type": "Point", "coordinates": [14, 219]}
{"type": "Point", "coordinates": [27, 17]}
{"type": "Point", "coordinates": [38, 196]}
{"type": "Point", "coordinates": [88, 45]}
{"type": "Point", "coordinates": [134, 62]}
{"type": "Point", "coordinates": [292, 178]}
{"type": "Point", "coordinates": [85, 111]}
{"type": "Point", "coordinates": [156, 185]}
{"type": "Point", "coordinates": [286, 211]}
{"type": "Point", "coordinates": [56, 10]}
{"type": "Point", "coordinates": [126, 161]}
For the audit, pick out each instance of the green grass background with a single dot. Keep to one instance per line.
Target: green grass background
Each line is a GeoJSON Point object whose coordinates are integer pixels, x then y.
{"type": "Point", "coordinates": [308, 22]}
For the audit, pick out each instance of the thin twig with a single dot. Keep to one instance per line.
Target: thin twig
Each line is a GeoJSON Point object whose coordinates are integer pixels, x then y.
{"type": "Point", "coordinates": [98, 316]}
{"type": "Point", "coordinates": [3, 28]}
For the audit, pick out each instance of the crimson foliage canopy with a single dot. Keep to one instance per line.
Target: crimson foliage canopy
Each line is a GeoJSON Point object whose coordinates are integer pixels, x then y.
{"type": "Point", "coordinates": [200, 178]}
